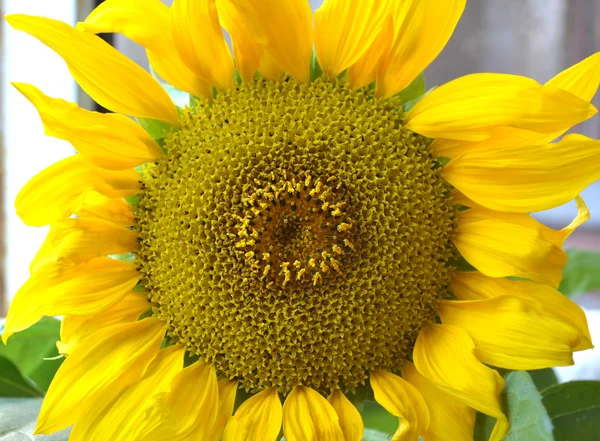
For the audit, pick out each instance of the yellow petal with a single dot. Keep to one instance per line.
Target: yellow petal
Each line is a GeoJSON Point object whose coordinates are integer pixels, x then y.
{"type": "Point", "coordinates": [526, 179]}
{"type": "Point", "coordinates": [83, 239]}
{"type": "Point", "coordinates": [557, 237]}
{"type": "Point", "coordinates": [257, 419]}
{"type": "Point", "coordinates": [307, 416]}
{"type": "Point", "coordinates": [109, 77]}
{"type": "Point", "coordinates": [509, 333]}
{"type": "Point", "coordinates": [450, 419]}
{"type": "Point", "coordinates": [188, 411]}
{"type": "Point", "coordinates": [112, 359]}
{"type": "Point", "coordinates": [401, 399]}
{"type": "Point", "coordinates": [107, 140]}
{"type": "Point", "coordinates": [344, 30]}
{"type": "Point", "coordinates": [583, 215]}
{"type": "Point", "coordinates": [545, 299]}
{"type": "Point", "coordinates": [120, 419]}
{"type": "Point", "coordinates": [351, 422]}
{"type": "Point", "coordinates": [117, 211]}
{"type": "Point", "coordinates": [76, 328]}
{"type": "Point", "coordinates": [284, 29]}
{"type": "Point", "coordinates": [421, 30]}
{"type": "Point", "coordinates": [509, 244]}
{"type": "Point", "coordinates": [61, 288]}
{"type": "Point", "coordinates": [199, 40]}
{"type": "Point", "coordinates": [227, 392]}
{"type": "Point", "coordinates": [366, 69]}
{"type": "Point", "coordinates": [250, 56]}
{"type": "Point", "coordinates": [56, 192]}
{"type": "Point", "coordinates": [445, 355]}
{"type": "Point", "coordinates": [145, 22]}
{"type": "Point", "coordinates": [471, 107]}
{"type": "Point", "coordinates": [581, 80]}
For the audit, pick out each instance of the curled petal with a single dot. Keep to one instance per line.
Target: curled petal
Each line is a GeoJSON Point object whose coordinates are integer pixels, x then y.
{"type": "Point", "coordinates": [401, 399]}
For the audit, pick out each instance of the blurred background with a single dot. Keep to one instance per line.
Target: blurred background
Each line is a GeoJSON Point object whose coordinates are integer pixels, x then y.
{"type": "Point", "coordinates": [537, 38]}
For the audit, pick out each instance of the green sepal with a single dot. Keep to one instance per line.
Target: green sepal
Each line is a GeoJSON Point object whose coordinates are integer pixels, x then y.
{"type": "Point", "coordinates": [133, 200]}
{"type": "Point", "coordinates": [126, 257]}
{"type": "Point", "coordinates": [33, 352]}
{"type": "Point", "coordinates": [315, 67]}
{"type": "Point", "coordinates": [581, 274]}
{"type": "Point", "coordinates": [574, 408]}
{"type": "Point", "coordinates": [156, 129]}
{"type": "Point", "coordinates": [522, 404]}
{"type": "Point", "coordinates": [414, 91]}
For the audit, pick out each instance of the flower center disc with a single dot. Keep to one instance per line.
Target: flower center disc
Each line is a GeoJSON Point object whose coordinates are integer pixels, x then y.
{"type": "Point", "coordinates": [295, 234]}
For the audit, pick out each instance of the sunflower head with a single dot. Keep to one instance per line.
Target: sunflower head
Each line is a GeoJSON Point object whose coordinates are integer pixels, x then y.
{"type": "Point", "coordinates": [262, 245]}
{"type": "Point", "coordinates": [312, 223]}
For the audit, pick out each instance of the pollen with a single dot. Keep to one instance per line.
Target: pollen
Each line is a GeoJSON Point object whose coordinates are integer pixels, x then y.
{"type": "Point", "coordinates": [295, 234]}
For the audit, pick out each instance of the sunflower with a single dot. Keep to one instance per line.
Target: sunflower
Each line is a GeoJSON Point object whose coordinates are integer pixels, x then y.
{"type": "Point", "coordinates": [307, 226]}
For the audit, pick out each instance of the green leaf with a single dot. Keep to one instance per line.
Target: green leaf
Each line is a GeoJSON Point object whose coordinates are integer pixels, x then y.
{"type": "Point", "coordinates": [574, 408]}
{"type": "Point", "coordinates": [524, 408]}
{"type": "Point", "coordinates": [543, 378]}
{"type": "Point", "coordinates": [315, 67]}
{"type": "Point", "coordinates": [28, 349]}
{"type": "Point", "coordinates": [414, 90]}
{"type": "Point", "coordinates": [13, 384]}
{"type": "Point", "coordinates": [17, 421]}
{"type": "Point", "coordinates": [581, 274]}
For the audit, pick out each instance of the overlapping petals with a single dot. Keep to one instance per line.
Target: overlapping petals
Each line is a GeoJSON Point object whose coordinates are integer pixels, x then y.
{"type": "Point", "coordinates": [307, 416]}
{"type": "Point", "coordinates": [199, 40]}
{"type": "Point", "coordinates": [495, 127]}
{"type": "Point", "coordinates": [111, 360]}
{"type": "Point", "coordinates": [74, 329]}
{"type": "Point", "coordinates": [120, 85]}
{"type": "Point", "coordinates": [421, 30]}
{"type": "Point", "coordinates": [471, 107]}
{"type": "Point", "coordinates": [109, 141]}
{"type": "Point", "coordinates": [401, 399]}
{"type": "Point", "coordinates": [446, 356]}
{"type": "Point", "coordinates": [526, 179]}
{"type": "Point", "coordinates": [581, 80]}
{"type": "Point", "coordinates": [258, 418]}
{"type": "Point", "coordinates": [450, 419]}
{"type": "Point", "coordinates": [58, 288]}
{"type": "Point", "coordinates": [80, 240]}
{"type": "Point", "coordinates": [119, 419]}
{"type": "Point", "coordinates": [345, 29]}
{"type": "Point", "coordinates": [145, 22]}
{"type": "Point", "coordinates": [58, 191]}
{"type": "Point", "coordinates": [283, 29]}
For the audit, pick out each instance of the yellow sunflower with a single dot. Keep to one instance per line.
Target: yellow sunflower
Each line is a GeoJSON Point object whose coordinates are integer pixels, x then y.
{"type": "Point", "coordinates": [305, 227]}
